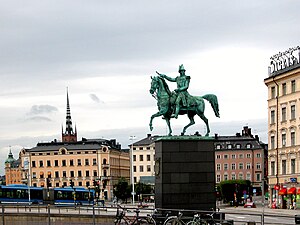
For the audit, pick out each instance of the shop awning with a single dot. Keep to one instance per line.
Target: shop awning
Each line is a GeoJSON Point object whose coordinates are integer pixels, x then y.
{"type": "Point", "coordinates": [282, 191]}
{"type": "Point", "coordinates": [292, 191]}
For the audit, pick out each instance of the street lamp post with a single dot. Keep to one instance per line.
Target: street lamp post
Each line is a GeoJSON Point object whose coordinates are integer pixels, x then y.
{"type": "Point", "coordinates": [131, 161]}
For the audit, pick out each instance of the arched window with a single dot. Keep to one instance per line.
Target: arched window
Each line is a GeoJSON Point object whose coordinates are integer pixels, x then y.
{"type": "Point", "coordinates": [104, 161]}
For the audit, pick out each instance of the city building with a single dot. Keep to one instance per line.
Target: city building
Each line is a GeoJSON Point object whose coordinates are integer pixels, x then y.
{"type": "Point", "coordinates": [13, 172]}
{"type": "Point", "coordinates": [242, 157]}
{"type": "Point", "coordinates": [143, 160]}
{"type": "Point", "coordinates": [90, 163]}
{"type": "Point", "coordinates": [283, 85]}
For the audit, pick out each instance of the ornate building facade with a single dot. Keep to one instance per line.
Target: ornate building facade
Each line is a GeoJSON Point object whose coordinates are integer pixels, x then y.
{"type": "Point", "coordinates": [90, 163]}
{"type": "Point", "coordinates": [283, 128]}
{"type": "Point", "coordinates": [13, 171]}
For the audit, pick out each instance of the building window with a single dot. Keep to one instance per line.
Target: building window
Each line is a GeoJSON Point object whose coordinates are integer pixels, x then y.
{"type": "Point", "coordinates": [248, 146]}
{"type": "Point", "coordinates": [218, 166]}
{"type": "Point", "coordinates": [141, 158]}
{"type": "Point", "coordinates": [248, 166]}
{"type": "Point", "coordinates": [258, 177]}
{"type": "Point", "coordinates": [33, 163]}
{"type": "Point", "coordinates": [225, 156]}
{"type": "Point", "coordinates": [95, 173]}
{"type": "Point", "coordinates": [148, 168]}
{"type": "Point", "coordinates": [71, 162]}
{"type": "Point", "coordinates": [233, 166]}
{"type": "Point", "coordinates": [134, 169]}
{"type": "Point", "coordinates": [272, 142]}
{"type": "Point", "coordinates": [248, 155]}
{"type": "Point", "coordinates": [34, 175]}
{"type": "Point", "coordinates": [283, 167]}
{"type": "Point", "coordinates": [87, 162]}
{"type": "Point", "coordinates": [241, 176]}
{"type": "Point", "coordinates": [55, 162]}
{"type": "Point", "coordinates": [293, 112]}
{"type": "Point", "coordinates": [293, 142]}
{"type": "Point", "coordinates": [283, 139]}
{"type": "Point", "coordinates": [229, 146]}
{"type": "Point", "coordinates": [41, 163]}
{"type": "Point", "coordinates": [283, 114]}
{"type": "Point", "coordinates": [218, 178]}
{"type": "Point", "coordinates": [225, 166]}
{"type": "Point", "coordinates": [64, 163]}
{"type": "Point", "coordinates": [218, 146]}
{"type": "Point", "coordinates": [272, 117]}
{"type": "Point", "coordinates": [148, 157]}
{"type": "Point", "coordinates": [238, 146]}
{"type": "Point", "coordinates": [134, 158]}
{"type": "Point", "coordinates": [80, 183]}
{"type": "Point", "coordinates": [233, 156]}
{"type": "Point", "coordinates": [134, 179]}
{"type": "Point", "coordinates": [41, 174]}
{"type": "Point", "coordinates": [95, 162]}
{"type": "Point", "coordinates": [56, 174]}
{"type": "Point", "coordinates": [293, 166]}
{"type": "Point", "coordinates": [71, 173]}
{"type": "Point", "coordinates": [273, 92]}
{"type": "Point", "coordinates": [87, 173]}
{"type": "Point", "coordinates": [141, 148]}
{"type": "Point", "coordinates": [241, 166]}
{"type": "Point", "coordinates": [218, 156]}
{"type": "Point", "coordinates": [293, 86]}
{"type": "Point", "coordinates": [272, 168]}
{"type": "Point", "coordinates": [248, 176]}
{"type": "Point", "coordinates": [87, 184]}
{"type": "Point", "coordinates": [79, 173]}
{"type": "Point", "coordinates": [48, 163]}
{"type": "Point", "coordinates": [64, 174]}
{"type": "Point", "coordinates": [141, 168]}
{"type": "Point", "coordinates": [225, 176]}
{"type": "Point", "coordinates": [78, 162]}
{"type": "Point", "coordinates": [241, 156]}
{"type": "Point", "coordinates": [284, 89]}
{"type": "Point", "coordinates": [258, 167]}
{"type": "Point", "coordinates": [258, 155]}
{"type": "Point", "coordinates": [233, 177]}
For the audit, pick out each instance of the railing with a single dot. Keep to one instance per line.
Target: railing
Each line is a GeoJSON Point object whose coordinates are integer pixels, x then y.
{"type": "Point", "coordinates": [15, 214]}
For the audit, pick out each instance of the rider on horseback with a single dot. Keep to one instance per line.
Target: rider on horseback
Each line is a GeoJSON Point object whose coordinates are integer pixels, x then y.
{"type": "Point", "coordinates": [181, 94]}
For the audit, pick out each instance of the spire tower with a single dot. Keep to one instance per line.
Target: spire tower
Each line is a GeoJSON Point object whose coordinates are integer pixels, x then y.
{"type": "Point", "coordinates": [69, 135]}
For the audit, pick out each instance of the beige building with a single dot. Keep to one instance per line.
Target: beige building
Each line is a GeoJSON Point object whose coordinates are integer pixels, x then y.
{"type": "Point", "coordinates": [283, 127]}
{"type": "Point", "coordinates": [143, 160]}
{"type": "Point", "coordinates": [89, 163]}
{"type": "Point", "coordinates": [13, 172]}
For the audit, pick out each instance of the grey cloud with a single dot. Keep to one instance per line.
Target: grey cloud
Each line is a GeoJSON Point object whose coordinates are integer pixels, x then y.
{"type": "Point", "coordinates": [42, 109]}
{"type": "Point", "coordinates": [39, 119]}
{"type": "Point", "coordinates": [95, 98]}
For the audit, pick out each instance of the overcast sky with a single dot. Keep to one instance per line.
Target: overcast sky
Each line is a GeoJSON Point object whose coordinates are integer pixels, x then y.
{"type": "Point", "coordinates": [106, 51]}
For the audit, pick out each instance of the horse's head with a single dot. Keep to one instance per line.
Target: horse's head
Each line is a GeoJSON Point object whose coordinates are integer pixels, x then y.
{"type": "Point", "coordinates": [154, 84]}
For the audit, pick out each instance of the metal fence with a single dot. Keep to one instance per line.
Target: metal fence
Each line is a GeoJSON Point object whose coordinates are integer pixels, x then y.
{"type": "Point", "coordinates": [94, 215]}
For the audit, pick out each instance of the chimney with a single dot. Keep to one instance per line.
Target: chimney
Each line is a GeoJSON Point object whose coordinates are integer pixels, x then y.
{"type": "Point", "coordinates": [256, 137]}
{"type": "Point", "coordinates": [216, 136]}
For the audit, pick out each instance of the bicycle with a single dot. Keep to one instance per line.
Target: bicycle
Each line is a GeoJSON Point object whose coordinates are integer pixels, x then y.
{"type": "Point", "coordinates": [122, 219]}
{"type": "Point", "coordinates": [204, 219]}
{"type": "Point", "coordinates": [175, 220]}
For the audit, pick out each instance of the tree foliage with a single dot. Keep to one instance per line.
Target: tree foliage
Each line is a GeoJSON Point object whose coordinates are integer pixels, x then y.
{"type": "Point", "coordinates": [141, 188]}
{"type": "Point", "coordinates": [229, 187]}
{"type": "Point", "coordinates": [122, 189]}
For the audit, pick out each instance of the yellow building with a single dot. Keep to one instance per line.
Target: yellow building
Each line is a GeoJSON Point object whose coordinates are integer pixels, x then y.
{"type": "Point", "coordinates": [283, 127]}
{"type": "Point", "coordinates": [90, 163]}
{"type": "Point", "coordinates": [143, 160]}
{"type": "Point", "coordinates": [13, 172]}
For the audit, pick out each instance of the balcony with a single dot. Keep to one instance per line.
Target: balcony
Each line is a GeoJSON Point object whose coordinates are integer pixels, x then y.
{"type": "Point", "coordinates": [105, 166]}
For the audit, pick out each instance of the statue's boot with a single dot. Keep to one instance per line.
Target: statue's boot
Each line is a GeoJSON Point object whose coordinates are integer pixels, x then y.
{"type": "Point", "coordinates": [175, 115]}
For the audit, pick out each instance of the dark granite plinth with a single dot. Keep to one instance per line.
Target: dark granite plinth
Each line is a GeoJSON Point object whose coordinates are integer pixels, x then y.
{"type": "Point", "coordinates": [185, 173]}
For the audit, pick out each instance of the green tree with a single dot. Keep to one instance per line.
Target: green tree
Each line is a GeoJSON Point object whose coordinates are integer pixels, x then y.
{"type": "Point", "coordinates": [141, 188]}
{"type": "Point", "coordinates": [230, 187]}
{"type": "Point", "coordinates": [122, 189]}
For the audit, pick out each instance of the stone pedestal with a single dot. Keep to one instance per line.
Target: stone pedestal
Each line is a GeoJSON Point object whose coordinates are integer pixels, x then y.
{"type": "Point", "coordinates": [185, 173]}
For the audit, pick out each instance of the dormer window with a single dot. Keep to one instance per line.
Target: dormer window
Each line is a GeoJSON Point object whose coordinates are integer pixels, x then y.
{"type": "Point", "coordinates": [238, 146]}
{"type": "Point", "coordinates": [248, 146]}
{"type": "Point", "coordinates": [218, 146]}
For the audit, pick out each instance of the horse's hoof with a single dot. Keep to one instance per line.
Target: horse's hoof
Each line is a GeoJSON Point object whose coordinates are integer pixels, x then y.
{"type": "Point", "coordinates": [206, 135]}
{"type": "Point", "coordinates": [182, 134]}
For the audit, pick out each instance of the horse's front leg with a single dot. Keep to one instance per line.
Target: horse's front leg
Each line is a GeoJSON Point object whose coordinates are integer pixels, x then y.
{"type": "Point", "coordinates": [169, 126]}
{"type": "Point", "coordinates": [160, 113]}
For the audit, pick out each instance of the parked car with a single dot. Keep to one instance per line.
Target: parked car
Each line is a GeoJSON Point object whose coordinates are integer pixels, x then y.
{"type": "Point", "coordinates": [249, 204]}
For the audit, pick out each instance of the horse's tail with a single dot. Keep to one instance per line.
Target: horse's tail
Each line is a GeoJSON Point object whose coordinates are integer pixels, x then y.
{"type": "Point", "coordinates": [213, 100]}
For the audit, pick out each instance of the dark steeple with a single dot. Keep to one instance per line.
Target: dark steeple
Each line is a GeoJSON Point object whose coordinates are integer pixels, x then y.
{"type": "Point", "coordinates": [69, 135]}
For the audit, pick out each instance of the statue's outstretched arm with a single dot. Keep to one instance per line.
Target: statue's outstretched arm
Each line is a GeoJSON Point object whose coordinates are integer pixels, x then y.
{"type": "Point", "coordinates": [166, 77]}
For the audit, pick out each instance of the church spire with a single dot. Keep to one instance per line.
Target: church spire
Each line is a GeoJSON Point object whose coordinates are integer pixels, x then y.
{"type": "Point", "coordinates": [69, 135]}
